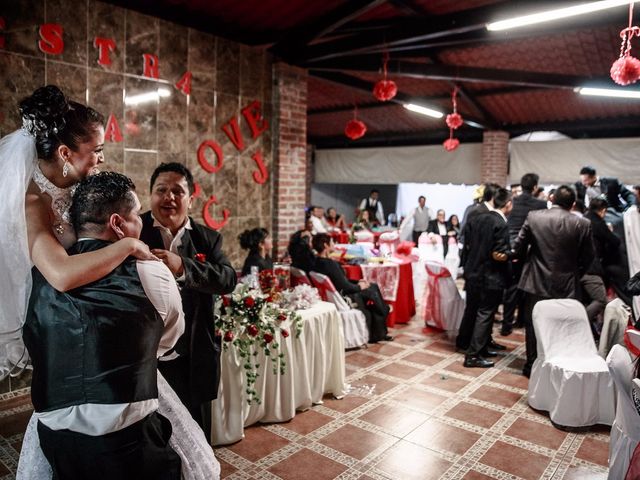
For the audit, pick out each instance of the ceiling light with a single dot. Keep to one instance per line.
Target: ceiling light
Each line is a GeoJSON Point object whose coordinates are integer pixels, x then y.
{"type": "Point", "coordinates": [609, 92]}
{"type": "Point", "coordinates": [423, 110]}
{"type": "Point", "coordinates": [147, 97]}
{"type": "Point", "coordinates": [555, 14]}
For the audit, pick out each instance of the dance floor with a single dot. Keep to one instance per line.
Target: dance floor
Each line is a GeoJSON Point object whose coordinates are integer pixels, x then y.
{"type": "Point", "coordinates": [414, 413]}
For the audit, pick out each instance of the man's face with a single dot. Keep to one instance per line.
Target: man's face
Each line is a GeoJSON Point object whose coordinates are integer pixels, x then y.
{"type": "Point", "coordinates": [515, 191]}
{"type": "Point", "coordinates": [587, 180]}
{"type": "Point", "coordinates": [318, 212]}
{"type": "Point", "coordinates": [422, 202]}
{"type": "Point", "coordinates": [508, 207]}
{"type": "Point", "coordinates": [170, 200]}
{"type": "Point", "coordinates": [131, 224]}
{"type": "Point", "coordinates": [441, 216]}
{"type": "Point", "coordinates": [374, 195]}
{"type": "Point", "coordinates": [637, 192]}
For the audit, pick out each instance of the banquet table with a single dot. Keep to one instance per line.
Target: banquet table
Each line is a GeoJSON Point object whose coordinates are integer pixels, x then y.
{"type": "Point", "coordinates": [315, 366]}
{"type": "Point", "coordinates": [340, 237]}
{"type": "Point", "coordinates": [403, 302]}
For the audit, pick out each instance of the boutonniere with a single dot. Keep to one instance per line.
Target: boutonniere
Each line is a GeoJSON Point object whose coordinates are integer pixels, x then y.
{"type": "Point", "coordinates": [201, 257]}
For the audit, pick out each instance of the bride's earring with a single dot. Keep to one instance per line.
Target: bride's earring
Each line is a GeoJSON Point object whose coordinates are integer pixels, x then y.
{"type": "Point", "coordinates": [65, 168]}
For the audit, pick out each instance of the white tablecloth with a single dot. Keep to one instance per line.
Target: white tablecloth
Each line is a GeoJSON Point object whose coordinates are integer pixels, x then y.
{"type": "Point", "coordinates": [314, 366]}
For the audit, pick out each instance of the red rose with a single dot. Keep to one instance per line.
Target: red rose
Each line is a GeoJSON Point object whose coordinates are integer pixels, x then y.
{"type": "Point", "coordinates": [285, 333]}
{"type": "Point", "coordinates": [201, 257]}
{"type": "Point", "coordinates": [249, 302]}
{"type": "Point", "coordinates": [268, 338]}
{"type": "Point", "coordinates": [252, 330]}
{"type": "Point", "coordinates": [282, 317]}
{"type": "Point", "coordinates": [228, 336]}
{"type": "Point", "coordinates": [226, 301]}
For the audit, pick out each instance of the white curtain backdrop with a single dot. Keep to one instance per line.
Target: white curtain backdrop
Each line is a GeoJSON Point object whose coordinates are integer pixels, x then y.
{"type": "Point", "coordinates": [453, 199]}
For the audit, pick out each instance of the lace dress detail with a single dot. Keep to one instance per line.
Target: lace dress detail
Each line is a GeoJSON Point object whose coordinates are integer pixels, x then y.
{"type": "Point", "coordinates": [60, 205]}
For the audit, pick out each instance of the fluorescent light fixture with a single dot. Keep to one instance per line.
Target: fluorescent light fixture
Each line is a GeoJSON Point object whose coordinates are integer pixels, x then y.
{"type": "Point", "coordinates": [609, 92]}
{"type": "Point", "coordinates": [555, 14]}
{"type": "Point", "coordinates": [423, 110]}
{"type": "Point", "coordinates": [473, 124]}
{"type": "Point", "coordinates": [162, 92]}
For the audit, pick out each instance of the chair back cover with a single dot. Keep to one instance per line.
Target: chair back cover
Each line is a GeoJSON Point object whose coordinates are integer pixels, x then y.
{"type": "Point", "coordinates": [616, 319]}
{"type": "Point", "coordinates": [328, 291]}
{"type": "Point", "coordinates": [442, 305]}
{"type": "Point", "coordinates": [389, 241]}
{"type": "Point", "coordinates": [452, 260]}
{"type": "Point", "coordinates": [430, 251]}
{"type": "Point", "coordinates": [299, 277]}
{"type": "Point", "coordinates": [562, 329]}
{"type": "Point", "coordinates": [363, 236]}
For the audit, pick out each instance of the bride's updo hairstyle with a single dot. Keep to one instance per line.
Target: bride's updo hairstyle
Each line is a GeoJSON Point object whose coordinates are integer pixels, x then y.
{"type": "Point", "coordinates": [251, 239]}
{"type": "Point", "coordinates": [55, 120]}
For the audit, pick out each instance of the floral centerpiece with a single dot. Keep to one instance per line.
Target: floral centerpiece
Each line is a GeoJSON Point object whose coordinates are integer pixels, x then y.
{"type": "Point", "coordinates": [250, 320]}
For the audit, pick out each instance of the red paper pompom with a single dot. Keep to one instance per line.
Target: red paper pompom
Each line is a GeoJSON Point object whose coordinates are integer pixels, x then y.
{"type": "Point", "coordinates": [451, 144]}
{"type": "Point", "coordinates": [252, 330]}
{"type": "Point", "coordinates": [454, 120]}
{"type": "Point", "coordinates": [625, 70]}
{"type": "Point", "coordinates": [355, 129]}
{"type": "Point", "coordinates": [385, 90]}
{"type": "Point", "coordinates": [228, 336]}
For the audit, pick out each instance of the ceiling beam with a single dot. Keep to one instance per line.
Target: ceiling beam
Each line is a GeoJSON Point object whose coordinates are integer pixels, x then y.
{"type": "Point", "coordinates": [408, 7]}
{"type": "Point", "coordinates": [400, 98]}
{"type": "Point", "coordinates": [464, 74]}
{"type": "Point", "coordinates": [298, 38]}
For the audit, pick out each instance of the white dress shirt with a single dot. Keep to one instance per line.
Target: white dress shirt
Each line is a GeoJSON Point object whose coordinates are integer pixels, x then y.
{"type": "Point", "coordinates": [377, 204]}
{"type": "Point", "coordinates": [99, 419]}
{"type": "Point", "coordinates": [318, 225]}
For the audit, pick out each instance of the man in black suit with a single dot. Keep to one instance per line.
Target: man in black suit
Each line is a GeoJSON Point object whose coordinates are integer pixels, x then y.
{"type": "Point", "coordinates": [522, 205]}
{"type": "Point", "coordinates": [193, 253]}
{"type": "Point", "coordinates": [558, 250]}
{"type": "Point", "coordinates": [486, 273]}
{"type": "Point", "coordinates": [615, 193]}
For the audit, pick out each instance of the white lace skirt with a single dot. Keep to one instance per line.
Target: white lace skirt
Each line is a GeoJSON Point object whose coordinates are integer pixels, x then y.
{"type": "Point", "coordinates": [187, 439]}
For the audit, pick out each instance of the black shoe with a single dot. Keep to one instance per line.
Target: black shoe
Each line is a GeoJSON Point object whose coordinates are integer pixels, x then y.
{"type": "Point", "coordinates": [488, 353]}
{"type": "Point", "coordinates": [526, 372]}
{"type": "Point", "coordinates": [505, 332]}
{"type": "Point", "coordinates": [496, 346]}
{"type": "Point", "coordinates": [388, 338]}
{"type": "Point", "coordinates": [471, 362]}
{"type": "Point", "coordinates": [518, 325]}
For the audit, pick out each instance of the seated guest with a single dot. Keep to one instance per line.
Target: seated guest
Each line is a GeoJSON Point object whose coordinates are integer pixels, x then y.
{"type": "Point", "coordinates": [318, 224]}
{"type": "Point", "coordinates": [258, 242]}
{"type": "Point", "coordinates": [95, 350]}
{"type": "Point", "coordinates": [299, 249]}
{"type": "Point", "coordinates": [453, 226]}
{"type": "Point", "coordinates": [335, 221]}
{"type": "Point", "coordinates": [438, 227]}
{"type": "Point", "coordinates": [366, 295]}
{"type": "Point", "coordinates": [363, 222]}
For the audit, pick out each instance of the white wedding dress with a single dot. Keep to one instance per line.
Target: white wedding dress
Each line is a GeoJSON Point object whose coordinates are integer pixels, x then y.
{"type": "Point", "coordinates": [187, 439]}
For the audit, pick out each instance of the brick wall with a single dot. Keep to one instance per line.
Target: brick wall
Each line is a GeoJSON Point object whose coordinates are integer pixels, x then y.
{"type": "Point", "coordinates": [495, 157]}
{"type": "Point", "coordinates": [290, 166]}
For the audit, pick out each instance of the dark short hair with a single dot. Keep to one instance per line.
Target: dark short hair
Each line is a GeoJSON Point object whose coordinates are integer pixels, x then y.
{"type": "Point", "coordinates": [529, 181]}
{"type": "Point", "coordinates": [597, 204]}
{"type": "Point", "coordinates": [251, 239]}
{"type": "Point", "coordinates": [564, 197]}
{"type": "Point", "coordinates": [490, 190]}
{"type": "Point", "coordinates": [588, 170]}
{"type": "Point", "coordinates": [501, 197]}
{"type": "Point", "coordinates": [99, 196]}
{"type": "Point", "coordinates": [319, 241]}
{"type": "Point", "coordinates": [175, 167]}
{"type": "Point", "coordinates": [637, 187]}
{"type": "Point", "coordinates": [374, 191]}
{"type": "Point", "coordinates": [421, 197]}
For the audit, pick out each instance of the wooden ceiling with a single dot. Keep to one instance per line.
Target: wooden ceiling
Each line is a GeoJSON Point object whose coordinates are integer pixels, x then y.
{"type": "Point", "coordinates": [517, 80]}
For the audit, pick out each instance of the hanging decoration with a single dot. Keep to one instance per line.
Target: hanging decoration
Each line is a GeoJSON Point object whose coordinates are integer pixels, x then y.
{"type": "Point", "coordinates": [384, 89]}
{"type": "Point", "coordinates": [454, 121]}
{"type": "Point", "coordinates": [626, 69]}
{"type": "Point", "coordinates": [355, 128]}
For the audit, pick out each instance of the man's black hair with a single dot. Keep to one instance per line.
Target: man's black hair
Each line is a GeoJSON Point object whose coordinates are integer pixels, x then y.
{"type": "Point", "coordinates": [588, 170]}
{"type": "Point", "coordinates": [175, 167]}
{"type": "Point", "coordinates": [501, 198]}
{"type": "Point", "coordinates": [529, 182]}
{"type": "Point", "coordinates": [564, 197]}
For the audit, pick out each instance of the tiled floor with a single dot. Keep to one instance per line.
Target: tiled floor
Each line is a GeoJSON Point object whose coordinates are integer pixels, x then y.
{"type": "Point", "coordinates": [426, 418]}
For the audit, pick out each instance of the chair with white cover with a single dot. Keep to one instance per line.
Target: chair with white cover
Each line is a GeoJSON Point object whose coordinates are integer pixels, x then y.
{"type": "Point", "coordinates": [354, 322]}
{"type": "Point", "coordinates": [452, 260]}
{"type": "Point", "coordinates": [388, 242]}
{"type": "Point", "coordinates": [298, 277]}
{"type": "Point", "coordinates": [625, 432]}
{"type": "Point", "coordinates": [430, 247]}
{"type": "Point", "coordinates": [364, 236]}
{"type": "Point", "coordinates": [569, 379]}
{"type": "Point", "coordinates": [442, 305]}
{"type": "Point", "coordinates": [616, 319]}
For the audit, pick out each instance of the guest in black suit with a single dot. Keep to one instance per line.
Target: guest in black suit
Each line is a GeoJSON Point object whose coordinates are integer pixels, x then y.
{"type": "Point", "coordinates": [258, 242]}
{"type": "Point", "coordinates": [366, 295]}
{"type": "Point", "coordinates": [487, 273]}
{"type": "Point", "coordinates": [300, 251]}
{"type": "Point", "coordinates": [615, 193]}
{"type": "Point", "coordinates": [193, 253]}
{"type": "Point", "coordinates": [439, 227]}
{"type": "Point", "coordinates": [558, 249]}
{"type": "Point", "coordinates": [522, 205]}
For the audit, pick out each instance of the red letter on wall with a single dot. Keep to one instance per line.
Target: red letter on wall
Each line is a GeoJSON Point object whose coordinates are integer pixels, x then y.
{"type": "Point", "coordinates": [51, 38]}
{"type": "Point", "coordinates": [104, 46]}
{"type": "Point", "coordinates": [261, 175]}
{"type": "Point", "coordinates": [184, 84]}
{"type": "Point", "coordinates": [3, 25]}
{"type": "Point", "coordinates": [151, 65]}
{"type": "Point", "coordinates": [234, 133]}
{"type": "Point", "coordinates": [112, 131]}
{"type": "Point", "coordinates": [208, 219]}
{"type": "Point", "coordinates": [253, 114]}
{"type": "Point", "coordinates": [202, 159]}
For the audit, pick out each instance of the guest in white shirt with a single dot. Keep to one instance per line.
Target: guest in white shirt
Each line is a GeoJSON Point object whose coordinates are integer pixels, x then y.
{"type": "Point", "coordinates": [318, 223]}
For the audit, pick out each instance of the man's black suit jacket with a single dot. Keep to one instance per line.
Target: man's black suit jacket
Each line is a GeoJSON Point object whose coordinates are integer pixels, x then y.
{"type": "Point", "coordinates": [522, 205]}
{"type": "Point", "coordinates": [606, 244]}
{"type": "Point", "coordinates": [203, 280]}
{"type": "Point", "coordinates": [613, 190]}
{"type": "Point", "coordinates": [484, 235]}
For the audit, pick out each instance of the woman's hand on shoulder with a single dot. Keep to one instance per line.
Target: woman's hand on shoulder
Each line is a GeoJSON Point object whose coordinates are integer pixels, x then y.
{"type": "Point", "coordinates": [139, 249]}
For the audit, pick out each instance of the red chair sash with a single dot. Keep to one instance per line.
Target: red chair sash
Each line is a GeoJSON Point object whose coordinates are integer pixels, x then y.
{"type": "Point", "coordinates": [432, 307]}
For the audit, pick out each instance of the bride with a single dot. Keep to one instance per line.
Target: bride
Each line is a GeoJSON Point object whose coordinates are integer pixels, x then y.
{"type": "Point", "coordinates": [59, 144]}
